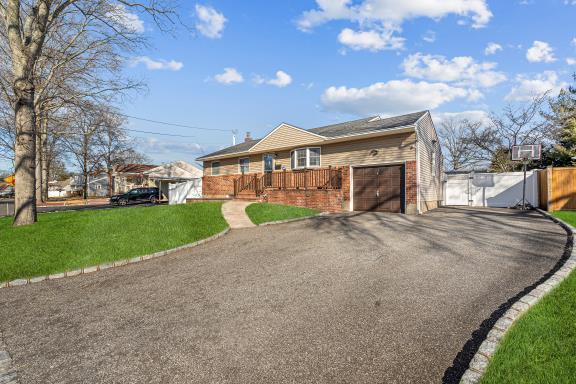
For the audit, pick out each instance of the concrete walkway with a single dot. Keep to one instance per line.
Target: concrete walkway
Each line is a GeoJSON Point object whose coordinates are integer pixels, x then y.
{"type": "Point", "coordinates": [234, 212]}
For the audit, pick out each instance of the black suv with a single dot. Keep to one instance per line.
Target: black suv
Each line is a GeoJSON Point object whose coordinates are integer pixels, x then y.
{"type": "Point", "coordinates": [137, 195]}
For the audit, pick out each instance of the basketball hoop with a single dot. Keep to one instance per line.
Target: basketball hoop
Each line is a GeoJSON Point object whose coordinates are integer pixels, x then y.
{"type": "Point", "coordinates": [526, 153]}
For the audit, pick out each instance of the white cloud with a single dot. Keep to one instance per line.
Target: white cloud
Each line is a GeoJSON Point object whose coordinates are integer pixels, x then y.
{"type": "Point", "coordinates": [429, 36]}
{"type": "Point", "coordinates": [155, 146]}
{"type": "Point", "coordinates": [128, 20]}
{"type": "Point", "coordinates": [159, 64]}
{"type": "Point", "coordinates": [492, 48]}
{"type": "Point", "coordinates": [540, 52]}
{"type": "Point", "coordinates": [370, 40]}
{"type": "Point", "coordinates": [393, 11]}
{"type": "Point", "coordinates": [210, 22]}
{"type": "Point", "coordinates": [381, 20]}
{"type": "Point", "coordinates": [527, 88]}
{"type": "Point", "coordinates": [573, 42]}
{"type": "Point", "coordinates": [229, 76]}
{"type": "Point", "coordinates": [281, 80]}
{"type": "Point", "coordinates": [571, 61]}
{"type": "Point", "coordinates": [392, 97]}
{"type": "Point", "coordinates": [462, 70]}
{"type": "Point", "coordinates": [472, 115]}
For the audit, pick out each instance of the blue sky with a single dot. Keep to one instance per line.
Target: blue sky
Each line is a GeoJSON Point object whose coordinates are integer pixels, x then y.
{"type": "Point", "coordinates": [343, 59]}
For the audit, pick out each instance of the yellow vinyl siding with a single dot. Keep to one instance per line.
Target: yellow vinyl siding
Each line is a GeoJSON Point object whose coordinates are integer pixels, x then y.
{"type": "Point", "coordinates": [385, 149]}
{"type": "Point", "coordinates": [286, 136]}
{"type": "Point", "coordinates": [376, 150]}
{"type": "Point", "coordinates": [430, 183]}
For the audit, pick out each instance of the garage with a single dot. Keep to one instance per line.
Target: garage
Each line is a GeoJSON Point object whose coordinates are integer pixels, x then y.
{"type": "Point", "coordinates": [379, 188]}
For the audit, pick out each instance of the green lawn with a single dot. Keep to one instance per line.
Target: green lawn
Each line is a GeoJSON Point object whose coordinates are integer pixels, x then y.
{"type": "Point", "coordinates": [541, 346]}
{"type": "Point", "coordinates": [567, 216]}
{"type": "Point", "coordinates": [70, 240]}
{"type": "Point", "coordinates": [264, 212]}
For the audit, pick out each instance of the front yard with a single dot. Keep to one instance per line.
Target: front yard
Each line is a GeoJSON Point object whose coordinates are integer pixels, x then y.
{"type": "Point", "coordinates": [260, 213]}
{"type": "Point", "coordinates": [70, 240]}
{"type": "Point", "coordinates": [541, 346]}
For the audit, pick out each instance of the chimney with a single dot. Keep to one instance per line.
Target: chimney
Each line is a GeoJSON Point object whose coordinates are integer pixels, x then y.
{"type": "Point", "coordinates": [248, 137]}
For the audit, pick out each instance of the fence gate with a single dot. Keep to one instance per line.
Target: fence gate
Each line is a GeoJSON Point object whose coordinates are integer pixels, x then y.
{"type": "Point", "coordinates": [457, 189]}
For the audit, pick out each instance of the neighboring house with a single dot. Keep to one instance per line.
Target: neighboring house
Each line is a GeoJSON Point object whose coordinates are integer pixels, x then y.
{"type": "Point", "coordinates": [179, 176]}
{"type": "Point", "coordinates": [73, 186]}
{"type": "Point", "coordinates": [64, 188]}
{"type": "Point", "coordinates": [128, 176]}
{"type": "Point", "coordinates": [373, 164]}
{"type": "Point", "coordinates": [98, 185]}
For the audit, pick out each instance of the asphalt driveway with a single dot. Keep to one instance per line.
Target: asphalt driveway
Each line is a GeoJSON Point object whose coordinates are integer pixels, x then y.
{"type": "Point", "coordinates": [367, 298]}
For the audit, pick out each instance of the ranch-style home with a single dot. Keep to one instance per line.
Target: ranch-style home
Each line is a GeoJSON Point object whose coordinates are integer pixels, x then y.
{"type": "Point", "coordinates": [373, 164]}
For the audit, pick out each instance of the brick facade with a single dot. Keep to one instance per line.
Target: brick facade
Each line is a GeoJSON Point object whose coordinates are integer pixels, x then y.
{"type": "Point", "coordinates": [216, 187]}
{"type": "Point", "coordinates": [323, 200]}
{"type": "Point", "coordinates": [411, 188]}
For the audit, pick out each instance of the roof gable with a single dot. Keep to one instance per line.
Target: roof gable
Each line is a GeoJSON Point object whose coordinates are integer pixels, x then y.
{"type": "Point", "coordinates": [286, 135]}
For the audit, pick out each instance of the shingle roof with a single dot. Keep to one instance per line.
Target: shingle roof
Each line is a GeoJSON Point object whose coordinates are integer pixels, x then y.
{"type": "Point", "coordinates": [134, 168]}
{"type": "Point", "coordinates": [370, 124]}
{"type": "Point", "coordinates": [355, 127]}
{"type": "Point", "coordinates": [238, 148]}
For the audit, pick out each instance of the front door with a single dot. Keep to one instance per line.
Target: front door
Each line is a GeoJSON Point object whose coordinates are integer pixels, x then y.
{"type": "Point", "coordinates": [268, 168]}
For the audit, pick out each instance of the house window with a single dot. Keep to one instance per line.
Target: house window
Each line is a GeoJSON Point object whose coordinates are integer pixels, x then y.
{"type": "Point", "coordinates": [244, 165]}
{"type": "Point", "coordinates": [305, 158]}
{"type": "Point", "coordinates": [215, 168]}
{"type": "Point", "coordinates": [313, 157]}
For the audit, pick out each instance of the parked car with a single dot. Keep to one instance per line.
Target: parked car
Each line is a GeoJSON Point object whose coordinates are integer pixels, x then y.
{"type": "Point", "coordinates": [137, 195]}
{"type": "Point", "coordinates": [7, 193]}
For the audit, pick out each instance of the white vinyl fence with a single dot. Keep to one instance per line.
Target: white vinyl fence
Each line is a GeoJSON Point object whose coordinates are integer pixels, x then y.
{"type": "Point", "coordinates": [498, 190]}
{"type": "Point", "coordinates": [178, 193]}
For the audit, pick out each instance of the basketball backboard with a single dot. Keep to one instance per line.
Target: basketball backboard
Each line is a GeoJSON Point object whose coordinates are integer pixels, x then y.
{"type": "Point", "coordinates": [527, 152]}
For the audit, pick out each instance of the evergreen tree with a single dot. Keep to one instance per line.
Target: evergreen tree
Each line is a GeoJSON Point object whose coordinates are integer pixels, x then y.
{"type": "Point", "coordinates": [562, 117]}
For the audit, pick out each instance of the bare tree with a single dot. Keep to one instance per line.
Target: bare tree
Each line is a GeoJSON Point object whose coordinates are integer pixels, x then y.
{"type": "Point", "coordinates": [115, 146]}
{"type": "Point", "coordinates": [516, 125]}
{"type": "Point", "coordinates": [26, 26]}
{"type": "Point", "coordinates": [81, 142]}
{"type": "Point", "coordinates": [456, 138]}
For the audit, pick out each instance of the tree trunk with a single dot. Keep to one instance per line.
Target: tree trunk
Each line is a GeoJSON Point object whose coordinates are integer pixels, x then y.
{"type": "Point", "coordinates": [25, 156]}
{"type": "Point", "coordinates": [38, 148]}
{"type": "Point", "coordinates": [110, 182]}
{"type": "Point", "coordinates": [45, 165]}
{"type": "Point", "coordinates": [85, 186]}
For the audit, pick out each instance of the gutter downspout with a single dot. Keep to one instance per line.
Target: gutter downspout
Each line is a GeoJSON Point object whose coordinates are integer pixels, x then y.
{"type": "Point", "coordinates": [418, 210]}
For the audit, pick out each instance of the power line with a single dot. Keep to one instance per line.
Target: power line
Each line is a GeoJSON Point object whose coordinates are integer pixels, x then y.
{"type": "Point", "coordinates": [175, 124]}
{"type": "Point", "coordinates": [127, 129]}
{"type": "Point", "coordinates": [158, 133]}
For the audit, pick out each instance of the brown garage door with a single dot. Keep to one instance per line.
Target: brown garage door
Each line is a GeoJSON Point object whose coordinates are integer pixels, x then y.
{"type": "Point", "coordinates": [379, 189]}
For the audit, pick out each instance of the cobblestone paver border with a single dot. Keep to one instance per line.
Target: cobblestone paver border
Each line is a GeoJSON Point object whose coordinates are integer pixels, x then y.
{"type": "Point", "coordinates": [101, 267]}
{"type": "Point", "coordinates": [480, 361]}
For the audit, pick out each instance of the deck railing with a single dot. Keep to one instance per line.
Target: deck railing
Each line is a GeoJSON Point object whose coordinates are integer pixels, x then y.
{"type": "Point", "coordinates": [316, 178]}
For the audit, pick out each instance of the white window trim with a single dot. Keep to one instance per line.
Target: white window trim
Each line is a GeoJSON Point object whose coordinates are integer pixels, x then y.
{"type": "Point", "coordinates": [307, 158]}
{"type": "Point", "coordinates": [212, 168]}
{"type": "Point", "coordinates": [240, 164]}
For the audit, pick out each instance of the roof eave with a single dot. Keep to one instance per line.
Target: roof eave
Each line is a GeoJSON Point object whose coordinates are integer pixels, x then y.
{"type": "Point", "coordinates": [327, 140]}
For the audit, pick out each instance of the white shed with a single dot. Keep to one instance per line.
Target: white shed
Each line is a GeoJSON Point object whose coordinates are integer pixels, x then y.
{"type": "Point", "coordinates": [177, 181]}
